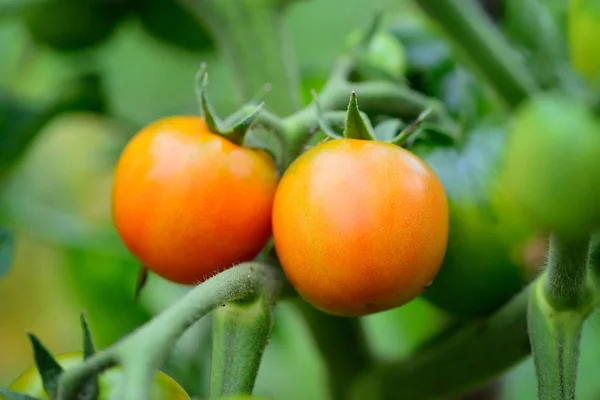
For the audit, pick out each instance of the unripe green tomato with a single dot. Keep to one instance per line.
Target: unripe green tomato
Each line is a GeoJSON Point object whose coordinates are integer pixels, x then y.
{"type": "Point", "coordinates": [552, 164]}
{"type": "Point", "coordinates": [163, 387]}
{"type": "Point", "coordinates": [482, 268]}
{"type": "Point", "coordinates": [583, 32]}
{"type": "Point", "coordinates": [169, 22]}
{"type": "Point", "coordinates": [71, 25]}
{"type": "Point", "coordinates": [384, 53]}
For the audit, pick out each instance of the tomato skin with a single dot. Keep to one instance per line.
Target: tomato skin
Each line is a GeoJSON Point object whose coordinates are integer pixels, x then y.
{"type": "Point", "coordinates": [552, 164]}
{"type": "Point", "coordinates": [359, 226]}
{"type": "Point", "coordinates": [189, 203]}
{"type": "Point", "coordinates": [163, 386]}
{"type": "Point", "coordinates": [483, 267]}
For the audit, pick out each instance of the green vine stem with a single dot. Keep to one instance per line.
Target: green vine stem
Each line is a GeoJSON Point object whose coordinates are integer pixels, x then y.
{"type": "Point", "coordinates": [250, 35]}
{"type": "Point", "coordinates": [241, 331]}
{"type": "Point", "coordinates": [466, 359]}
{"type": "Point", "coordinates": [481, 43]}
{"type": "Point", "coordinates": [334, 336]}
{"type": "Point", "coordinates": [559, 304]}
{"type": "Point", "coordinates": [378, 96]}
{"type": "Point", "coordinates": [146, 349]}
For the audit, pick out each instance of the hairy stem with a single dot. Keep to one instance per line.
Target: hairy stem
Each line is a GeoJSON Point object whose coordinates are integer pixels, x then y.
{"type": "Point", "coordinates": [153, 341]}
{"type": "Point", "coordinates": [241, 332]}
{"type": "Point", "coordinates": [562, 300]}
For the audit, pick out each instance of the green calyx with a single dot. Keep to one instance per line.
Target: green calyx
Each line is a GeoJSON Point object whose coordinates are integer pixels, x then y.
{"type": "Point", "coordinates": [358, 126]}
{"type": "Point", "coordinates": [237, 125]}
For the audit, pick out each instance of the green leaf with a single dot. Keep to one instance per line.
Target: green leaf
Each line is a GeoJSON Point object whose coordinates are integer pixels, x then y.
{"type": "Point", "coordinates": [49, 368]}
{"type": "Point", "coordinates": [10, 395]}
{"type": "Point", "coordinates": [7, 244]}
{"type": "Point", "coordinates": [91, 389]}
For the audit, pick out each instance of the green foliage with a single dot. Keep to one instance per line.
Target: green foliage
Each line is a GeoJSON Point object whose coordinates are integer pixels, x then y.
{"type": "Point", "coordinates": [6, 250]}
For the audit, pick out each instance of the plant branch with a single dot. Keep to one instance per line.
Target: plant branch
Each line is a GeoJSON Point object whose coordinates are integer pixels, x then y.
{"type": "Point", "coordinates": [458, 363]}
{"type": "Point", "coordinates": [334, 335]}
{"type": "Point", "coordinates": [566, 284]}
{"type": "Point", "coordinates": [559, 305]}
{"type": "Point", "coordinates": [251, 36]}
{"type": "Point", "coordinates": [484, 47]}
{"type": "Point", "coordinates": [146, 349]}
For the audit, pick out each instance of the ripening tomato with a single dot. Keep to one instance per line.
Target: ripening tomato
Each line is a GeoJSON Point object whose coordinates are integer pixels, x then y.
{"type": "Point", "coordinates": [163, 386]}
{"type": "Point", "coordinates": [359, 226]}
{"type": "Point", "coordinates": [189, 203]}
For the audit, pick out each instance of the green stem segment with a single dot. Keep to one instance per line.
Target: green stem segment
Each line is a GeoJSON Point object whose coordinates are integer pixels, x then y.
{"type": "Point", "coordinates": [459, 362]}
{"type": "Point", "coordinates": [241, 332]}
{"type": "Point", "coordinates": [484, 46]}
{"type": "Point", "coordinates": [343, 345]}
{"type": "Point", "coordinates": [251, 36]}
{"type": "Point", "coordinates": [562, 300]}
{"type": "Point", "coordinates": [146, 349]}
{"type": "Point", "coordinates": [566, 286]}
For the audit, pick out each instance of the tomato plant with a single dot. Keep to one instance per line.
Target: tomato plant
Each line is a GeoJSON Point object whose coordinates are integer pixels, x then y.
{"type": "Point", "coordinates": [163, 387]}
{"type": "Point", "coordinates": [359, 226]}
{"type": "Point", "coordinates": [474, 139]}
{"type": "Point", "coordinates": [189, 203]}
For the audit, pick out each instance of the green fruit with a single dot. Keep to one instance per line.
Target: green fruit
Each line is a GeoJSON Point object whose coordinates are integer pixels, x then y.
{"type": "Point", "coordinates": [169, 22]}
{"type": "Point", "coordinates": [71, 25]}
{"type": "Point", "coordinates": [482, 268]}
{"type": "Point", "coordinates": [163, 387]}
{"type": "Point", "coordinates": [552, 165]}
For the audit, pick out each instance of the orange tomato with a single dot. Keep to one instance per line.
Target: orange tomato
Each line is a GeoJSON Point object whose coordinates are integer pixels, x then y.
{"type": "Point", "coordinates": [189, 203]}
{"type": "Point", "coordinates": [360, 226]}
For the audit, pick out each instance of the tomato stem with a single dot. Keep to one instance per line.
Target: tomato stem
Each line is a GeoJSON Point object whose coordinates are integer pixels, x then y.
{"type": "Point", "coordinates": [483, 45]}
{"type": "Point", "coordinates": [457, 363]}
{"type": "Point", "coordinates": [562, 300]}
{"type": "Point", "coordinates": [240, 334]}
{"type": "Point", "coordinates": [146, 349]}
{"type": "Point", "coordinates": [251, 36]}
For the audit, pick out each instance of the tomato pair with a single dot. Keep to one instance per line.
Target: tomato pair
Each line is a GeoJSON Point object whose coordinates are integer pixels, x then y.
{"type": "Point", "coordinates": [359, 226]}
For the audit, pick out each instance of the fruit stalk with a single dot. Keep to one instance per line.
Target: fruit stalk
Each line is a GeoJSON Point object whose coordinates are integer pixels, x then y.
{"type": "Point", "coordinates": [561, 301]}
{"type": "Point", "coordinates": [241, 331]}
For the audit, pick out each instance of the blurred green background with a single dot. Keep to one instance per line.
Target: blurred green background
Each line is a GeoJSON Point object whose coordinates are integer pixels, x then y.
{"type": "Point", "coordinates": [57, 199]}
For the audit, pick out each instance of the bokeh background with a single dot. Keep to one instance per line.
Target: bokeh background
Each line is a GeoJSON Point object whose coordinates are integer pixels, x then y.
{"type": "Point", "coordinates": [57, 199]}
